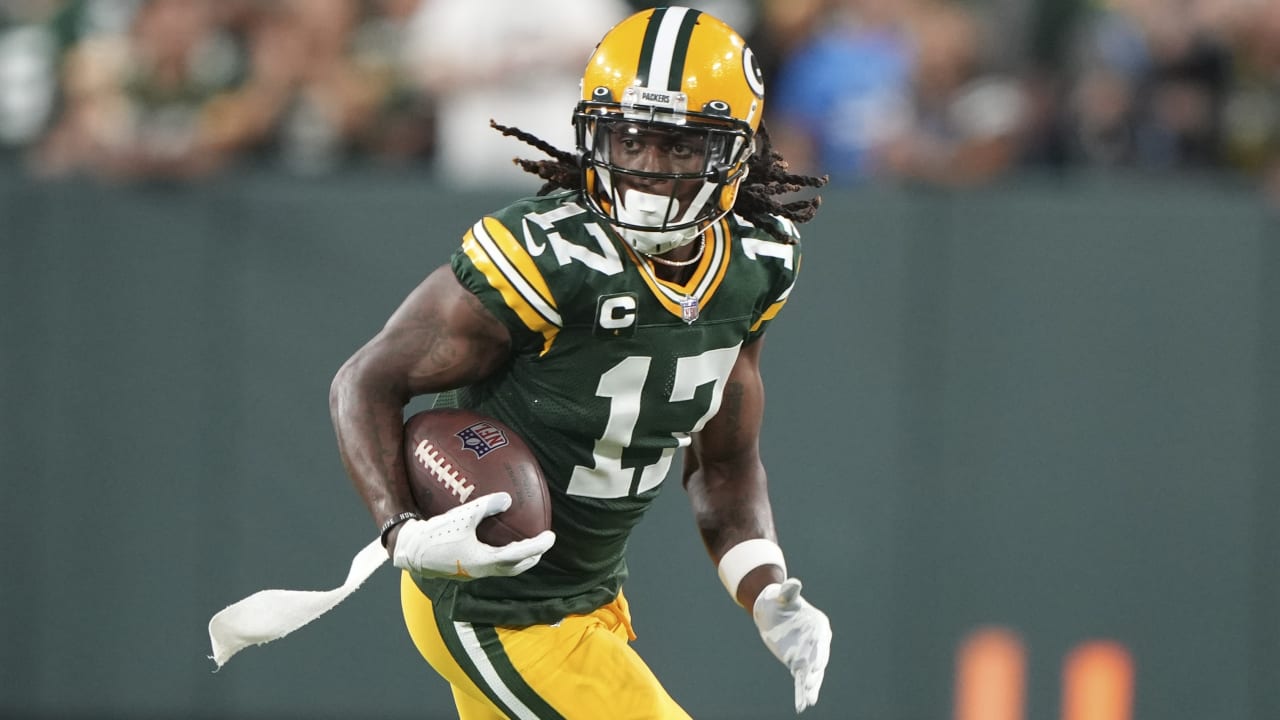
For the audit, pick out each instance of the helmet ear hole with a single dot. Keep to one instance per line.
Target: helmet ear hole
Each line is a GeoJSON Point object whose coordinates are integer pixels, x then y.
{"type": "Point", "coordinates": [717, 108]}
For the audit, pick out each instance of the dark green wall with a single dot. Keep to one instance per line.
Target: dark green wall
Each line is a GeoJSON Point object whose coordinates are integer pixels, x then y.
{"type": "Point", "coordinates": [1050, 407]}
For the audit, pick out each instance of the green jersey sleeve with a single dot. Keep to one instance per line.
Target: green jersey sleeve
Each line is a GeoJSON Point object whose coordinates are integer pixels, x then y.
{"type": "Point", "coordinates": [785, 268]}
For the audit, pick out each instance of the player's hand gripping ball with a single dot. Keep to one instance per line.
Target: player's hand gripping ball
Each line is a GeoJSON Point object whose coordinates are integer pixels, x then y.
{"type": "Point", "coordinates": [455, 455]}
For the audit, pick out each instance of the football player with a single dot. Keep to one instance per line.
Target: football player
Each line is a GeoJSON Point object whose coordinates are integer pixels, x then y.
{"type": "Point", "coordinates": [613, 320]}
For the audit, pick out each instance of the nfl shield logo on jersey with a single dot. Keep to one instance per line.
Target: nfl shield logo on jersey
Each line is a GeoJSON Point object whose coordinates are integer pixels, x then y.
{"type": "Point", "coordinates": [482, 438]}
{"type": "Point", "coordinates": [689, 309]}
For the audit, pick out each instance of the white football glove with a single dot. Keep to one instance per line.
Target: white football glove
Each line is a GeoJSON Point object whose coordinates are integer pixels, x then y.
{"type": "Point", "coordinates": [446, 545]}
{"type": "Point", "coordinates": [797, 633]}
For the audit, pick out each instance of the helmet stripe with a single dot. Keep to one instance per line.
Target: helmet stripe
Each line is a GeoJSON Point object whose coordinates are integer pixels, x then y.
{"type": "Point", "coordinates": [675, 80]}
{"type": "Point", "coordinates": [646, 46]}
{"type": "Point", "coordinates": [665, 47]}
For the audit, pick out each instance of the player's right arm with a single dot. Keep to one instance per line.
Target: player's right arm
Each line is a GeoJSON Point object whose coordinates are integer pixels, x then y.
{"type": "Point", "coordinates": [441, 337]}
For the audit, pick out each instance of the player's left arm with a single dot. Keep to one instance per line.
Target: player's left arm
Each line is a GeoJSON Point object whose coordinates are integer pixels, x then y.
{"type": "Point", "coordinates": [725, 477]}
{"type": "Point", "coordinates": [727, 486]}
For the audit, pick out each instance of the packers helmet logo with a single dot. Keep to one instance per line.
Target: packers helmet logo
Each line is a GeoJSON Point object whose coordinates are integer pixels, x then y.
{"type": "Point", "coordinates": [751, 68]}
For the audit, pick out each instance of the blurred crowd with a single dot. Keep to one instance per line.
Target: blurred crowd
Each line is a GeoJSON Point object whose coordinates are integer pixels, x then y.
{"type": "Point", "coordinates": [951, 92]}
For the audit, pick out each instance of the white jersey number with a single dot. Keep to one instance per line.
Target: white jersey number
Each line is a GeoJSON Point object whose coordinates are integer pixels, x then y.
{"type": "Point", "coordinates": [622, 385]}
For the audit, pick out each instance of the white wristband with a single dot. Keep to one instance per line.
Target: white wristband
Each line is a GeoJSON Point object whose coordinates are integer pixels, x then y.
{"type": "Point", "coordinates": [745, 557]}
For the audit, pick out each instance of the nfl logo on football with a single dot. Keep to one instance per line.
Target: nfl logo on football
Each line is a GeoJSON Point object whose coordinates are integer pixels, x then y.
{"type": "Point", "coordinates": [482, 438]}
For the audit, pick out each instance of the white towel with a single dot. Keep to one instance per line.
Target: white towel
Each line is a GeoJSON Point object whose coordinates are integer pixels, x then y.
{"type": "Point", "coordinates": [270, 614]}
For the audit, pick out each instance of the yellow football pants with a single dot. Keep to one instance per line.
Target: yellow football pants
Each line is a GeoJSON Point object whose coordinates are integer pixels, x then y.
{"type": "Point", "coordinates": [581, 668]}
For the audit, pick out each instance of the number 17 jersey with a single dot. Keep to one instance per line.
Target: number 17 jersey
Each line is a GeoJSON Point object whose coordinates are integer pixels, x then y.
{"type": "Point", "coordinates": [612, 370]}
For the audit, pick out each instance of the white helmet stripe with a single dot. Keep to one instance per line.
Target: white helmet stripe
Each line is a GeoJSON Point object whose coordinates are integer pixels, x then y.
{"type": "Point", "coordinates": [656, 94]}
{"type": "Point", "coordinates": [664, 50]}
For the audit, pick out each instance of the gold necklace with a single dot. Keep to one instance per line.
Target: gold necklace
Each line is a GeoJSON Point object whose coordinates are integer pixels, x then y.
{"type": "Point", "coordinates": [702, 246]}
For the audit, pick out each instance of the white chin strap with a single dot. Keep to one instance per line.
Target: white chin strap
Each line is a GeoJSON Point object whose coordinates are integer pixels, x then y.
{"type": "Point", "coordinates": [641, 208]}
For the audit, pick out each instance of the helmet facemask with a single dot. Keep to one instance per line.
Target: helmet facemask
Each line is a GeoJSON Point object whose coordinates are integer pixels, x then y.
{"type": "Point", "coordinates": [654, 223]}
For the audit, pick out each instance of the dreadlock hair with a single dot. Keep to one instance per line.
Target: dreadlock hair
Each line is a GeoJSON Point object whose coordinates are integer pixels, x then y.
{"type": "Point", "coordinates": [767, 178]}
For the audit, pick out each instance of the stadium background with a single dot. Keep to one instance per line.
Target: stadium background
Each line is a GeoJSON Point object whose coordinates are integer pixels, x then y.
{"type": "Point", "coordinates": [1046, 404]}
{"type": "Point", "coordinates": [1049, 409]}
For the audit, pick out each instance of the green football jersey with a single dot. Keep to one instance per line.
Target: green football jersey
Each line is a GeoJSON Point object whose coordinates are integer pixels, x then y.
{"type": "Point", "coordinates": [612, 370]}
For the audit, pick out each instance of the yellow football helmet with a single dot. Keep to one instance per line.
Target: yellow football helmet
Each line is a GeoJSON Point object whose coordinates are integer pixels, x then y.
{"type": "Point", "coordinates": [673, 70]}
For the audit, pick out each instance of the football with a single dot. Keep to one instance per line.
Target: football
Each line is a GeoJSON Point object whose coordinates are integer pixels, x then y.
{"type": "Point", "coordinates": [454, 455]}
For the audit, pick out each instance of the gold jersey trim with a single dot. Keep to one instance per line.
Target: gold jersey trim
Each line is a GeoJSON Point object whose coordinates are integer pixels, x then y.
{"type": "Point", "coordinates": [772, 311]}
{"type": "Point", "coordinates": [505, 263]}
{"type": "Point", "coordinates": [706, 277]}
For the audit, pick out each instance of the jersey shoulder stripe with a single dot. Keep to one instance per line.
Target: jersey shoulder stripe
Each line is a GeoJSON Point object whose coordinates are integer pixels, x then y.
{"type": "Point", "coordinates": [506, 265]}
{"type": "Point", "coordinates": [756, 242]}
{"type": "Point", "coordinates": [772, 311]}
